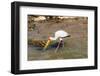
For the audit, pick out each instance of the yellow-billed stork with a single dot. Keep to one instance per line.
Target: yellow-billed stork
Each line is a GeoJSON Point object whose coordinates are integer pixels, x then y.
{"type": "Point", "coordinates": [59, 35]}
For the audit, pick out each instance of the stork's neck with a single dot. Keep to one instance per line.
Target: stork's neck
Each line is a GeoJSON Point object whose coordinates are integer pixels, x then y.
{"type": "Point", "coordinates": [53, 38]}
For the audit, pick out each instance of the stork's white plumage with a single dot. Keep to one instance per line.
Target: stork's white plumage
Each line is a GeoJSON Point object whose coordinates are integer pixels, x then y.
{"type": "Point", "coordinates": [60, 34]}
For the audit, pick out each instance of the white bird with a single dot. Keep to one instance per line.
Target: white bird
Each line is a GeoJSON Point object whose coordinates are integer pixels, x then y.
{"type": "Point", "coordinates": [60, 34]}
{"type": "Point", "coordinates": [55, 41]}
